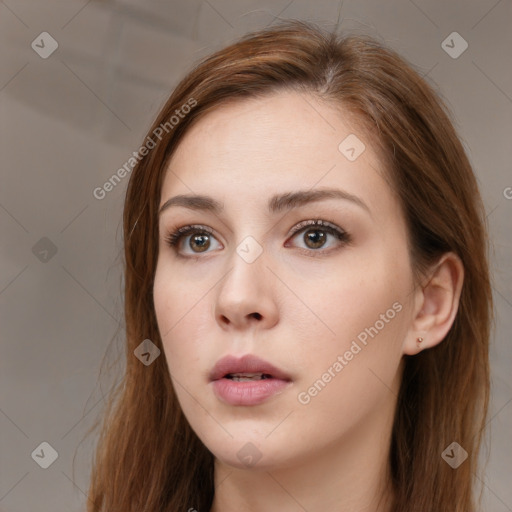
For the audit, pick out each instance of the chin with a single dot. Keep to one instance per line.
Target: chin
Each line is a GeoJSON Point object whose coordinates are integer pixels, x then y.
{"type": "Point", "coordinates": [254, 454]}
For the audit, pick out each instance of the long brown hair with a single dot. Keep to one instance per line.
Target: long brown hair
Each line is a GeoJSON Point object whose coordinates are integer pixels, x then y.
{"type": "Point", "coordinates": [147, 457]}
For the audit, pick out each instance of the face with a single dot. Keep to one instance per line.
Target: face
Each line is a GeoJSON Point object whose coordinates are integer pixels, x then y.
{"type": "Point", "coordinates": [304, 265]}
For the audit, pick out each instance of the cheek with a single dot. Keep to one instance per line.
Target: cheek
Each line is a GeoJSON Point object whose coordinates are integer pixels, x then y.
{"type": "Point", "coordinates": [348, 377]}
{"type": "Point", "coordinates": [165, 292]}
{"type": "Point", "coordinates": [361, 313]}
{"type": "Point", "coordinates": [183, 311]}
{"type": "Point", "coordinates": [178, 314]}
{"type": "Point", "coordinates": [175, 297]}
{"type": "Point", "coordinates": [364, 332]}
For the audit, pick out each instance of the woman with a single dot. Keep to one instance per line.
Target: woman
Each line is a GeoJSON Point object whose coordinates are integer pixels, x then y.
{"type": "Point", "coordinates": [306, 264]}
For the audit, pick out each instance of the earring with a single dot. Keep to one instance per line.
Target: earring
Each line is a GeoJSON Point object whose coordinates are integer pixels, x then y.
{"type": "Point", "coordinates": [419, 340]}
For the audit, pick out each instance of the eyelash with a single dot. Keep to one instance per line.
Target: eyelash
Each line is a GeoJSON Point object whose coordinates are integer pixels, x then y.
{"type": "Point", "coordinates": [173, 239]}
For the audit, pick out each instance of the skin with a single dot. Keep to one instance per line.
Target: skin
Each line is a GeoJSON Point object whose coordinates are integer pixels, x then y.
{"type": "Point", "coordinates": [331, 453]}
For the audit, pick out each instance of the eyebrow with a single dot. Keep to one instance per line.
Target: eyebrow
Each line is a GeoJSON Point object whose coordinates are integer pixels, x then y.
{"type": "Point", "coordinates": [276, 204]}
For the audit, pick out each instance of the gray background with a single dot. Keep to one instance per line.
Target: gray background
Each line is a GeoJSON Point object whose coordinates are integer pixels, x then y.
{"type": "Point", "coordinates": [69, 121]}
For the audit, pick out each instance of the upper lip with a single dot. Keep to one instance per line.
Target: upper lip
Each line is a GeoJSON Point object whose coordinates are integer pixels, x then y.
{"type": "Point", "coordinates": [245, 364]}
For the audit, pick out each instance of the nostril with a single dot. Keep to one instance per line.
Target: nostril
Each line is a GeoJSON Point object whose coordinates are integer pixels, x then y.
{"type": "Point", "coordinates": [256, 315]}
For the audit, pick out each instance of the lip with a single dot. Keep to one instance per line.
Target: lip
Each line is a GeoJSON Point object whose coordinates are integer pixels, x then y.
{"type": "Point", "coordinates": [249, 392]}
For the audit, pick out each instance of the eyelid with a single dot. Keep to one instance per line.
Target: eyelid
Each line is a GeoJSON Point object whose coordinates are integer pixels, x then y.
{"type": "Point", "coordinates": [316, 222]}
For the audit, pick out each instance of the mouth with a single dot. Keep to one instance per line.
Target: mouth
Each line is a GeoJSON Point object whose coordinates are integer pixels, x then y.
{"type": "Point", "coordinates": [247, 381]}
{"type": "Point", "coordinates": [247, 377]}
{"type": "Point", "coordinates": [246, 369]}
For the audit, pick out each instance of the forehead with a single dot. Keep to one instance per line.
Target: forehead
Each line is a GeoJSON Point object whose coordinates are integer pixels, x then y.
{"type": "Point", "coordinates": [283, 121]}
{"type": "Point", "coordinates": [260, 146]}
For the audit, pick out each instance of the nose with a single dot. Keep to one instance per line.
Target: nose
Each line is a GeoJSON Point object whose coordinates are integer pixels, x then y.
{"type": "Point", "coordinates": [246, 296]}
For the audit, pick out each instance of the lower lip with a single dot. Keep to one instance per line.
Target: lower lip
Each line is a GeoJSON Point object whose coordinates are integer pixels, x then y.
{"type": "Point", "coordinates": [248, 392]}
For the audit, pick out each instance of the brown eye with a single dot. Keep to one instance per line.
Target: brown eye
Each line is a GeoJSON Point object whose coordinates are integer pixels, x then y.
{"type": "Point", "coordinates": [319, 234]}
{"type": "Point", "coordinates": [202, 242]}
{"type": "Point", "coordinates": [315, 238]}
{"type": "Point", "coordinates": [190, 240]}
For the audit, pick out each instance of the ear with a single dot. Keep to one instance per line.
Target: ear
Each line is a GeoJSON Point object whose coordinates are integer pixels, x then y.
{"type": "Point", "coordinates": [436, 303]}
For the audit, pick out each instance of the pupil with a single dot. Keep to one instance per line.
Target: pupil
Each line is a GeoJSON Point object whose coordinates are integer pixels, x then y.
{"type": "Point", "coordinates": [317, 241]}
